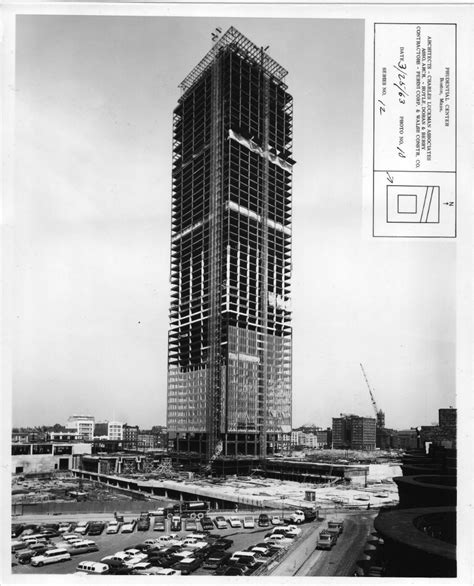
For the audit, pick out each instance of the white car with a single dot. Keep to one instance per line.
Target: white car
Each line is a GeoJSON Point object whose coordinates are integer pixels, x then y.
{"type": "Point", "coordinates": [113, 527]}
{"type": "Point", "coordinates": [134, 561]}
{"type": "Point", "coordinates": [276, 520]}
{"type": "Point", "coordinates": [249, 523]}
{"type": "Point", "coordinates": [292, 530]}
{"type": "Point", "coordinates": [129, 526]}
{"type": "Point", "coordinates": [51, 556]}
{"type": "Point", "coordinates": [278, 540]}
{"type": "Point", "coordinates": [169, 572]}
{"type": "Point", "coordinates": [234, 522]}
{"type": "Point", "coordinates": [146, 569]}
{"type": "Point", "coordinates": [197, 535]}
{"type": "Point", "coordinates": [71, 538]}
{"type": "Point", "coordinates": [168, 540]}
{"type": "Point", "coordinates": [82, 527]}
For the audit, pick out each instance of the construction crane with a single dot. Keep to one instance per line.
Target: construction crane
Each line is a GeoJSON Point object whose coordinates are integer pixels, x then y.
{"type": "Point", "coordinates": [379, 414]}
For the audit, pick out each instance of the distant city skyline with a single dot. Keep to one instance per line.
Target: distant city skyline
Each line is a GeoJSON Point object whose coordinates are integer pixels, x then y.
{"type": "Point", "coordinates": [91, 233]}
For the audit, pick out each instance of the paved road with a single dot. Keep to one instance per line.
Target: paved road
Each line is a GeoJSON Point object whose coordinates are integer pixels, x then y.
{"type": "Point", "coordinates": [340, 561]}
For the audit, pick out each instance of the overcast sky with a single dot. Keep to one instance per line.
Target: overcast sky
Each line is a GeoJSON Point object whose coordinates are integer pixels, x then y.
{"type": "Point", "coordinates": [94, 106]}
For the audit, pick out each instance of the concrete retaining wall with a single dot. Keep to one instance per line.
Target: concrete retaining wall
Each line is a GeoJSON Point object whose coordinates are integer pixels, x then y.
{"type": "Point", "coordinates": [87, 507]}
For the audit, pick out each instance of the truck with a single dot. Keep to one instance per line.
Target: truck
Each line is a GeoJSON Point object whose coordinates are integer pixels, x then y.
{"type": "Point", "coordinates": [191, 509]}
{"type": "Point", "coordinates": [305, 515]}
{"type": "Point", "coordinates": [334, 531]}
{"type": "Point", "coordinates": [339, 525]}
{"type": "Point", "coordinates": [326, 540]}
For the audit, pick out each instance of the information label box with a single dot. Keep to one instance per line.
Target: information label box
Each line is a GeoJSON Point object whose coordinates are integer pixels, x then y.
{"type": "Point", "coordinates": [414, 130]}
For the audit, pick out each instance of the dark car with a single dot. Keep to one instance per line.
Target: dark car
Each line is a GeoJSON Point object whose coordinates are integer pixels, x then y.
{"type": "Point", "coordinates": [24, 556]}
{"type": "Point", "coordinates": [118, 567]}
{"type": "Point", "coordinates": [188, 565]}
{"type": "Point", "coordinates": [207, 524]}
{"type": "Point", "coordinates": [143, 524]}
{"type": "Point", "coordinates": [96, 528]}
{"type": "Point", "coordinates": [264, 520]}
{"type": "Point", "coordinates": [31, 528]}
{"type": "Point", "coordinates": [17, 529]}
{"type": "Point", "coordinates": [272, 549]}
{"type": "Point", "coordinates": [222, 543]}
{"type": "Point", "coordinates": [216, 560]}
{"type": "Point", "coordinates": [232, 569]}
{"type": "Point", "coordinates": [164, 561]}
{"type": "Point", "coordinates": [52, 526]}
{"type": "Point", "coordinates": [49, 533]}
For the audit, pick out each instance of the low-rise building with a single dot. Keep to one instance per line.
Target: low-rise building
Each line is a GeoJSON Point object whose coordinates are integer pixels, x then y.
{"type": "Point", "coordinates": [47, 457]}
{"type": "Point", "coordinates": [83, 424]}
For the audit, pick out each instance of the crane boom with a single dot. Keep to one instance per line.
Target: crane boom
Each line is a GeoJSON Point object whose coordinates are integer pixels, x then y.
{"type": "Point", "coordinates": [374, 404]}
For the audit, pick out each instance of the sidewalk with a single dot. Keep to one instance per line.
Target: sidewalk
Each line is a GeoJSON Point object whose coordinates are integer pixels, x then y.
{"type": "Point", "coordinates": [297, 557]}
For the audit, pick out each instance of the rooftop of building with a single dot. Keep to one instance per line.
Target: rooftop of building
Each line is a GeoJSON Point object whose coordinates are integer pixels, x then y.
{"type": "Point", "coordinates": [243, 46]}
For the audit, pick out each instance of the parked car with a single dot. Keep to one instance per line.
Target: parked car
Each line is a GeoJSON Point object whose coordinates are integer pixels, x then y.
{"type": "Point", "coordinates": [276, 520]}
{"type": "Point", "coordinates": [118, 567]}
{"type": "Point", "coordinates": [88, 567]}
{"type": "Point", "coordinates": [17, 529]}
{"type": "Point", "coordinates": [82, 527]}
{"type": "Point", "coordinates": [234, 522]}
{"type": "Point", "coordinates": [96, 528]}
{"type": "Point", "coordinates": [17, 545]}
{"type": "Point", "coordinates": [222, 543]}
{"type": "Point", "coordinates": [220, 523]}
{"type": "Point", "coordinates": [231, 571]}
{"type": "Point", "coordinates": [143, 522]}
{"type": "Point", "coordinates": [113, 527]}
{"type": "Point", "coordinates": [85, 546]}
{"type": "Point", "coordinates": [145, 569]}
{"type": "Point", "coordinates": [207, 524]}
{"type": "Point", "coordinates": [169, 572]}
{"type": "Point", "coordinates": [159, 524]}
{"type": "Point", "coordinates": [247, 558]}
{"type": "Point", "coordinates": [176, 524]}
{"type": "Point", "coordinates": [292, 530]}
{"type": "Point", "coordinates": [278, 540]}
{"type": "Point", "coordinates": [129, 526]}
{"type": "Point", "coordinates": [262, 551]}
{"type": "Point", "coordinates": [24, 556]}
{"type": "Point", "coordinates": [190, 525]}
{"type": "Point", "coordinates": [216, 559]}
{"type": "Point", "coordinates": [119, 556]}
{"type": "Point", "coordinates": [39, 548]}
{"type": "Point", "coordinates": [283, 531]}
{"type": "Point", "coordinates": [51, 556]}
{"type": "Point", "coordinates": [263, 520]}
{"type": "Point", "coordinates": [249, 522]}
{"type": "Point", "coordinates": [71, 538]}
{"type": "Point", "coordinates": [188, 565]}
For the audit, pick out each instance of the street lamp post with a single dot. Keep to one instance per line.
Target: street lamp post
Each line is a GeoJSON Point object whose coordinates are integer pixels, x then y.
{"type": "Point", "coordinates": [282, 498]}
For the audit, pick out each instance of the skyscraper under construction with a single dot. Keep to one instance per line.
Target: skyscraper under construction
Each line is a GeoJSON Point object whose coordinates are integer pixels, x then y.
{"type": "Point", "coordinates": [230, 338]}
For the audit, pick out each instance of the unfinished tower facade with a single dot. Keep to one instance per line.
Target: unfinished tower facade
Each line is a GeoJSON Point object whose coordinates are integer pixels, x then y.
{"type": "Point", "coordinates": [230, 338]}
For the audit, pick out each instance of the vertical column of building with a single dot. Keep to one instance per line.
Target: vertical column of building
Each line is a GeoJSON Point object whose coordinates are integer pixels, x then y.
{"type": "Point", "coordinates": [214, 390]}
{"type": "Point", "coordinates": [264, 85]}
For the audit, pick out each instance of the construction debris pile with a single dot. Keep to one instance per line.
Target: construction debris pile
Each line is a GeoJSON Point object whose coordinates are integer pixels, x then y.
{"type": "Point", "coordinates": [60, 489]}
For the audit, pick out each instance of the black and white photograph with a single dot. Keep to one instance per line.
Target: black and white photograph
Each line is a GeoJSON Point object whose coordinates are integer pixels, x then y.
{"type": "Point", "coordinates": [235, 264]}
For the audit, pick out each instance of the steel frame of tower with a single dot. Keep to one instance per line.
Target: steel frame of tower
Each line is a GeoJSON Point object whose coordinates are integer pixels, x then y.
{"type": "Point", "coordinates": [229, 371]}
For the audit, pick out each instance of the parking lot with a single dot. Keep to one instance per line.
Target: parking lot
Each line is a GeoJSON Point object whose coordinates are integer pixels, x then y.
{"type": "Point", "coordinates": [110, 544]}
